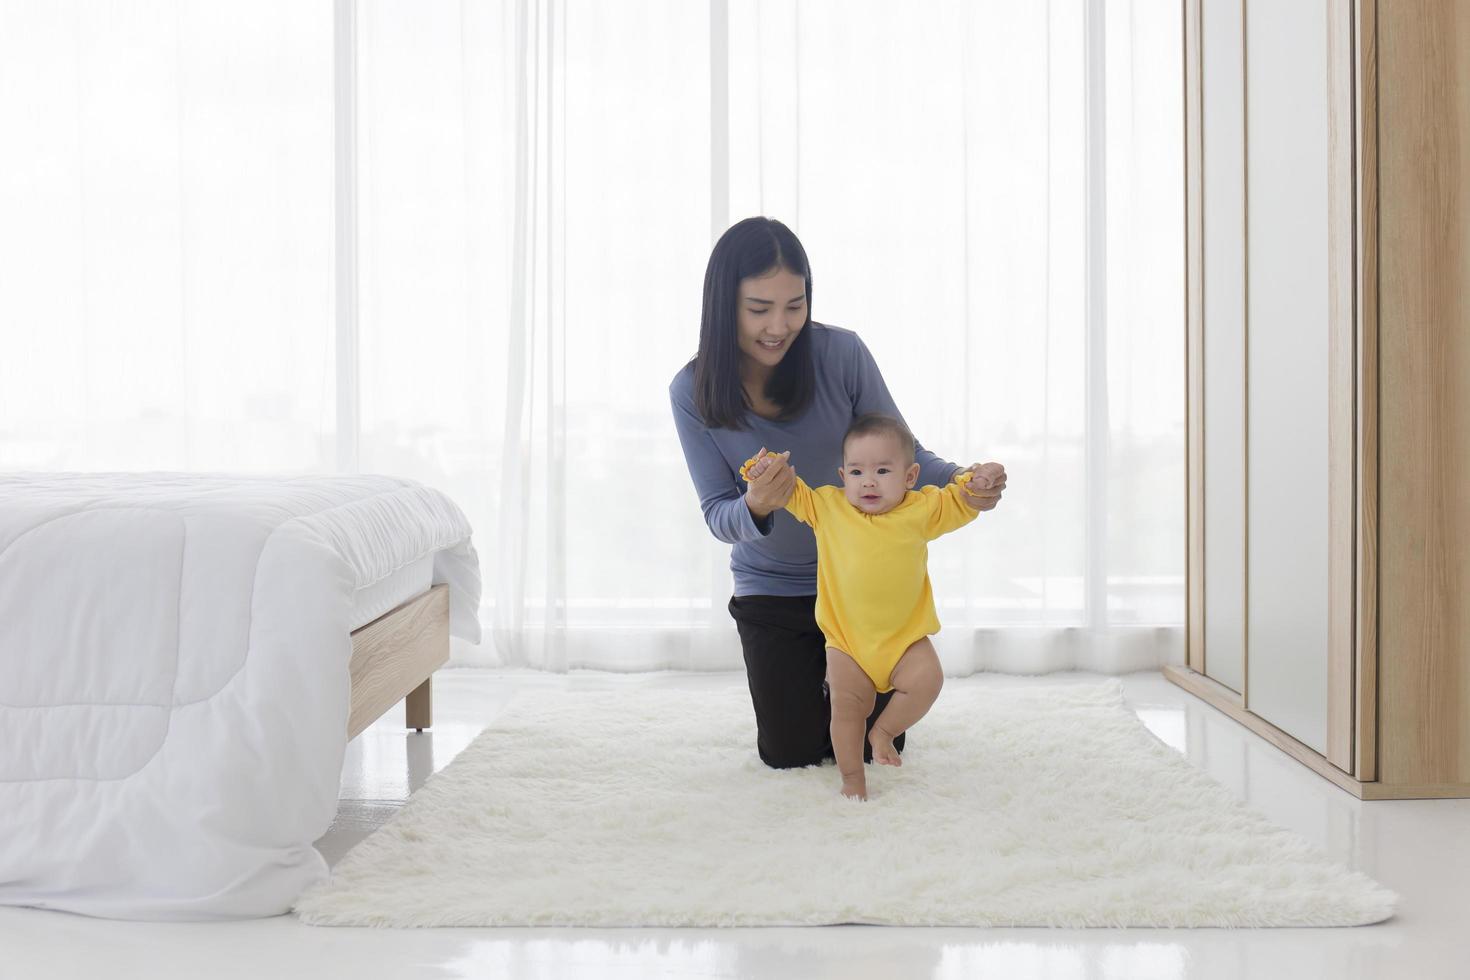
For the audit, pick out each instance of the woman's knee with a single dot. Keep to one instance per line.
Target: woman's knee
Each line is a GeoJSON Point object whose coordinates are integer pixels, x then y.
{"type": "Point", "coordinates": [790, 757]}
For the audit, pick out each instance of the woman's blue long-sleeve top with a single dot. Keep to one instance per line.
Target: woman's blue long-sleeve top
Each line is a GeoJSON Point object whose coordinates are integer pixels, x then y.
{"type": "Point", "coordinates": [778, 554]}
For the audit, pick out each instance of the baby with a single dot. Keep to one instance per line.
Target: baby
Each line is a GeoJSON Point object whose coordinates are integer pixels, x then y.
{"type": "Point", "coordinates": [874, 605]}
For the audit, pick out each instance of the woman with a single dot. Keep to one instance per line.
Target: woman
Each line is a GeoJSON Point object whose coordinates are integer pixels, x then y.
{"type": "Point", "coordinates": [767, 376]}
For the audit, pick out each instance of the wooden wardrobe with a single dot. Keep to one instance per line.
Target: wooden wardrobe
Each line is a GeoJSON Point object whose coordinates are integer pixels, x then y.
{"type": "Point", "coordinates": [1328, 293]}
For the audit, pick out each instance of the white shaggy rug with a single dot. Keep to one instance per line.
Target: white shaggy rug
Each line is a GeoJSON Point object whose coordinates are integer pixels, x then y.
{"type": "Point", "coordinates": [1044, 806]}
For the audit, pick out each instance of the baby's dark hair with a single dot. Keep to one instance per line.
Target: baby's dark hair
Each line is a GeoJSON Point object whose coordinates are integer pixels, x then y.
{"type": "Point", "coordinates": [876, 422]}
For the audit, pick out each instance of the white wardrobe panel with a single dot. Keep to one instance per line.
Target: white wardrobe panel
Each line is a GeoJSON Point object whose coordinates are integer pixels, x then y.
{"type": "Point", "coordinates": [1287, 361]}
{"type": "Point", "coordinates": [1223, 172]}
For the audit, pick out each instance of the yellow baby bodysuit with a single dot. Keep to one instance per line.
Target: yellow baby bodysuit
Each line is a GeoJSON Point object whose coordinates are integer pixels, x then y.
{"type": "Point", "coordinates": [873, 594]}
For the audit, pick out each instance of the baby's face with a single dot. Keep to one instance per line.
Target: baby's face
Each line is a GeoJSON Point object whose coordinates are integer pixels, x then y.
{"type": "Point", "coordinates": [875, 472]}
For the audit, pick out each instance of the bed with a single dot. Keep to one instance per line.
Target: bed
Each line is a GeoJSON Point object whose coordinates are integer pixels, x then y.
{"type": "Point", "coordinates": [183, 658]}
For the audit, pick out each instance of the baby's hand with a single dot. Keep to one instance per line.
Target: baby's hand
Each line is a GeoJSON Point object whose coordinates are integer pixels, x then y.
{"type": "Point", "coordinates": [761, 462]}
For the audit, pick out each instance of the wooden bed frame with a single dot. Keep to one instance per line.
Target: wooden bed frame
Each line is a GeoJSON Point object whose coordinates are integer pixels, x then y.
{"type": "Point", "coordinates": [394, 658]}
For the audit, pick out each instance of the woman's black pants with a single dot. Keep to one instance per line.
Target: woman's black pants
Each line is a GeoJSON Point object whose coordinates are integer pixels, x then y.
{"type": "Point", "coordinates": [786, 665]}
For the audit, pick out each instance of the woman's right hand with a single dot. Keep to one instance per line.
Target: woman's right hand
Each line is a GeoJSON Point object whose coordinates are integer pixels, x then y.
{"type": "Point", "coordinates": [771, 484]}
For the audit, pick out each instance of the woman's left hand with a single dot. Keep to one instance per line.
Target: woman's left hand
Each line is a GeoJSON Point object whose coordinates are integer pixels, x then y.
{"type": "Point", "coordinates": [987, 483]}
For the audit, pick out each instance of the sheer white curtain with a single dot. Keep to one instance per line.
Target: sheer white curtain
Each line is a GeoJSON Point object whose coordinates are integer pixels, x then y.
{"type": "Point", "coordinates": [165, 235]}
{"type": "Point", "coordinates": [539, 183]}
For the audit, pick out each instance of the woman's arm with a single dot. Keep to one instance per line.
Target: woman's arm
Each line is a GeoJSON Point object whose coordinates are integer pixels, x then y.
{"type": "Point", "coordinates": [870, 394]}
{"type": "Point", "coordinates": [720, 498]}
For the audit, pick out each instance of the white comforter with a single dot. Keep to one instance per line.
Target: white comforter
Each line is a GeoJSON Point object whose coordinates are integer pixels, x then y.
{"type": "Point", "coordinates": [174, 678]}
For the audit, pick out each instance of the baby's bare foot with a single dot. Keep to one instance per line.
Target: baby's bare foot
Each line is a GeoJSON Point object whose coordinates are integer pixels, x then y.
{"type": "Point", "coordinates": [883, 751]}
{"type": "Point", "coordinates": [855, 787]}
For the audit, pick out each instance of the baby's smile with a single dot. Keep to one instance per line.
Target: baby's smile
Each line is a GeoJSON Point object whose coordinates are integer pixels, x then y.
{"type": "Point", "coordinates": [876, 473]}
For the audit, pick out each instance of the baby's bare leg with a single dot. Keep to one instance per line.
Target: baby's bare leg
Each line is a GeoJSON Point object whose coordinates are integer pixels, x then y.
{"type": "Point", "coordinates": [916, 680]}
{"type": "Point", "coordinates": [853, 696]}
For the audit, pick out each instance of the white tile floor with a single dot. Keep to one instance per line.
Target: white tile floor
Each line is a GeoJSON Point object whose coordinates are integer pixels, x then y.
{"type": "Point", "coordinates": [1419, 848]}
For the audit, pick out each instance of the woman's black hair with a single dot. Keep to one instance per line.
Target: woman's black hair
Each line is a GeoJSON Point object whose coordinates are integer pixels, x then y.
{"type": "Point", "coordinates": [753, 247]}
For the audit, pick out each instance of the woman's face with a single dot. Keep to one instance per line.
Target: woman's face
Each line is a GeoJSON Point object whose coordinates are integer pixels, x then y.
{"type": "Point", "coordinates": [772, 311]}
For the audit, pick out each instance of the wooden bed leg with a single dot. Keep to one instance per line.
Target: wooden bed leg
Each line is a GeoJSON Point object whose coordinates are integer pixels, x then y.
{"type": "Point", "coordinates": [418, 707]}
{"type": "Point", "coordinates": [388, 653]}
